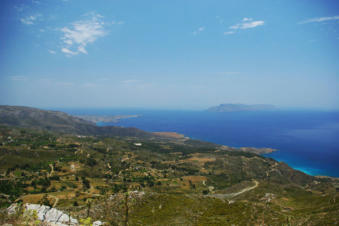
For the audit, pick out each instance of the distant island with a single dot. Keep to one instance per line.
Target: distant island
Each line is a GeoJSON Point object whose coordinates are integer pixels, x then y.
{"type": "Point", "coordinates": [241, 107]}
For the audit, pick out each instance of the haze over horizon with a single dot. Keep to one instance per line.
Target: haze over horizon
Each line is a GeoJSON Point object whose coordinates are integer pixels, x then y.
{"type": "Point", "coordinates": [172, 55]}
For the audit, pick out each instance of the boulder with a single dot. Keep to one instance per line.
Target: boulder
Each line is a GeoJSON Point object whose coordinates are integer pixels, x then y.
{"type": "Point", "coordinates": [45, 214]}
{"type": "Point", "coordinates": [97, 223]}
{"type": "Point", "coordinates": [12, 209]}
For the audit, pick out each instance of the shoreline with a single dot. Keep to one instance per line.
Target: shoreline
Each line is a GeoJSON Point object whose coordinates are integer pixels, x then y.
{"type": "Point", "coordinates": [305, 169]}
{"type": "Point", "coordinates": [261, 151]}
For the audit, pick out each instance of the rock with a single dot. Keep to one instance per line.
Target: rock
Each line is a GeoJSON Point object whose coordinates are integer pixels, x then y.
{"type": "Point", "coordinates": [268, 197]}
{"type": "Point", "coordinates": [56, 224]}
{"type": "Point", "coordinates": [136, 194]}
{"type": "Point", "coordinates": [12, 209]}
{"type": "Point", "coordinates": [53, 215]}
{"type": "Point", "coordinates": [97, 223]}
{"type": "Point", "coordinates": [45, 214]}
{"type": "Point", "coordinates": [40, 209]}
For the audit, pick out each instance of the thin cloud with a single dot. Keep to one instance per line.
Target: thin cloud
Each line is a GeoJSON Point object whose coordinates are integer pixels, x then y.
{"type": "Point", "coordinates": [30, 20]}
{"type": "Point", "coordinates": [319, 19]}
{"type": "Point", "coordinates": [68, 52]}
{"type": "Point", "coordinates": [81, 33]}
{"type": "Point", "coordinates": [247, 23]}
{"type": "Point", "coordinates": [198, 31]}
{"type": "Point", "coordinates": [51, 51]}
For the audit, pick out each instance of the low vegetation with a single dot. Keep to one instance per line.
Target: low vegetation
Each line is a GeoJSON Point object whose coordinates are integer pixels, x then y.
{"type": "Point", "coordinates": [115, 181]}
{"type": "Point", "coordinates": [125, 176]}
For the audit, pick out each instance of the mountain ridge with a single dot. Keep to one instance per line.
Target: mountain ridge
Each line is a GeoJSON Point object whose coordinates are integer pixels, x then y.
{"type": "Point", "coordinates": [57, 121]}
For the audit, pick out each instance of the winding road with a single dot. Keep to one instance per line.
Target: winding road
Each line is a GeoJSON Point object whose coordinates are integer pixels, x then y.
{"type": "Point", "coordinates": [232, 195]}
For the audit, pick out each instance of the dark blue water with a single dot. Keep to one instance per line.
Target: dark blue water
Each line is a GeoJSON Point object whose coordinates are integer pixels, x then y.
{"type": "Point", "coordinates": [306, 140]}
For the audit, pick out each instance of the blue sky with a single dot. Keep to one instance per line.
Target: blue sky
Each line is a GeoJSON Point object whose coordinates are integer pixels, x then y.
{"type": "Point", "coordinates": [178, 54]}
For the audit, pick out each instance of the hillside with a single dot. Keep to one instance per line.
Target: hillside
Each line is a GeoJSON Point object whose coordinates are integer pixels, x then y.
{"type": "Point", "coordinates": [241, 107]}
{"type": "Point", "coordinates": [56, 121]}
{"type": "Point", "coordinates": [150, 181]}
{"type": "Point", "coordinates": [166, 182]}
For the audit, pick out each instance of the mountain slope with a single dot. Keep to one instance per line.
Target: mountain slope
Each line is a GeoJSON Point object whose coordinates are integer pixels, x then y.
{"type": "Point", "coordinates": [166, 183]}
{"type": "Point", "coordinates": [159, 182]}
{"type": "Point", "coordinates": [27, 117]}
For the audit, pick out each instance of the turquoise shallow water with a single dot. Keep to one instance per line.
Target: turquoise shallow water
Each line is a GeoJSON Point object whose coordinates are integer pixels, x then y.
{"type": "Point", "coordinates": [309, 171]}
{"type": "Point", "coordinates": [306, 140]}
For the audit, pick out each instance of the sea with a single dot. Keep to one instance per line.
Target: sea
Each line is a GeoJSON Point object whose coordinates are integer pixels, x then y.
{"type": "Point", "coordinates": [306, 140]}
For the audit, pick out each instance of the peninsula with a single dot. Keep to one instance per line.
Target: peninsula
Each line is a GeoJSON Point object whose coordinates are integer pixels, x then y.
{"type": "Point", "coordinates": [105, 118]}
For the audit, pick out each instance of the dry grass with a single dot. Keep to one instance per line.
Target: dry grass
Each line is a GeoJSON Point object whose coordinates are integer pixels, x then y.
{"type": "Point", "coordinates": [32, 198]}
{"type": "Point", "coordinates": [200, 159]}
{"type": "Point", "coordinates": [170, 135]}
{"type": "Point", "coordinates": [194, 179]}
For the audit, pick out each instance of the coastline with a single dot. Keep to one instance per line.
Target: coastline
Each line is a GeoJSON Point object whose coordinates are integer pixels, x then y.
{"type": "Point", "coordinates": [242, 130]}
{"type": "Point", "coordinates": [100, 119]}
{"type": "Point", "coordinates": [305, 169]}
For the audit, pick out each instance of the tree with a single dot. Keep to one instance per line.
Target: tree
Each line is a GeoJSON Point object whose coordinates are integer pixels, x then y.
{"type": "Point", "coordinates": [89, 205]}
{"type": "Point", "coordinates": [86, 183]}
{"type": "Point", "coordinates": [45, 201]}
{"type": "Point", "coordinates": [126, 209]}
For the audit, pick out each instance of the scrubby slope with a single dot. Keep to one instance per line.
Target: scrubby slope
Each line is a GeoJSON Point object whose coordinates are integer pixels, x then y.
{"type": "Point", "coordinates": [158, 183]}
{"type": "Point", "coordinates": [57, 121]}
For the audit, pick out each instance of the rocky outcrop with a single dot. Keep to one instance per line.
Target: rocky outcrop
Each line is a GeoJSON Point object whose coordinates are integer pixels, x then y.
{"type": "Point", "coordinates": [97, 223]}
{"type": "Point", "coordinates": [45, 214]}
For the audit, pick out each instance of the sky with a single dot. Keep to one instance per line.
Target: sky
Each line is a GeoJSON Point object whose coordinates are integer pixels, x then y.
{"type": "Point", "coordinates": [177, 54]}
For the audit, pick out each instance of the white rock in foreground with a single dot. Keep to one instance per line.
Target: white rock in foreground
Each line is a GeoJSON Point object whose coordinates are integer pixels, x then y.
{"type": "Point", "coordinates": [46, 214]}
{"type": "Point", "coordinates": [97, 223]}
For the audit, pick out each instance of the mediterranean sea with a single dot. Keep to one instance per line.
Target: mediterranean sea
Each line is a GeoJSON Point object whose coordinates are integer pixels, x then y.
{"type": "Point", "coordinates": [306, 140]}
